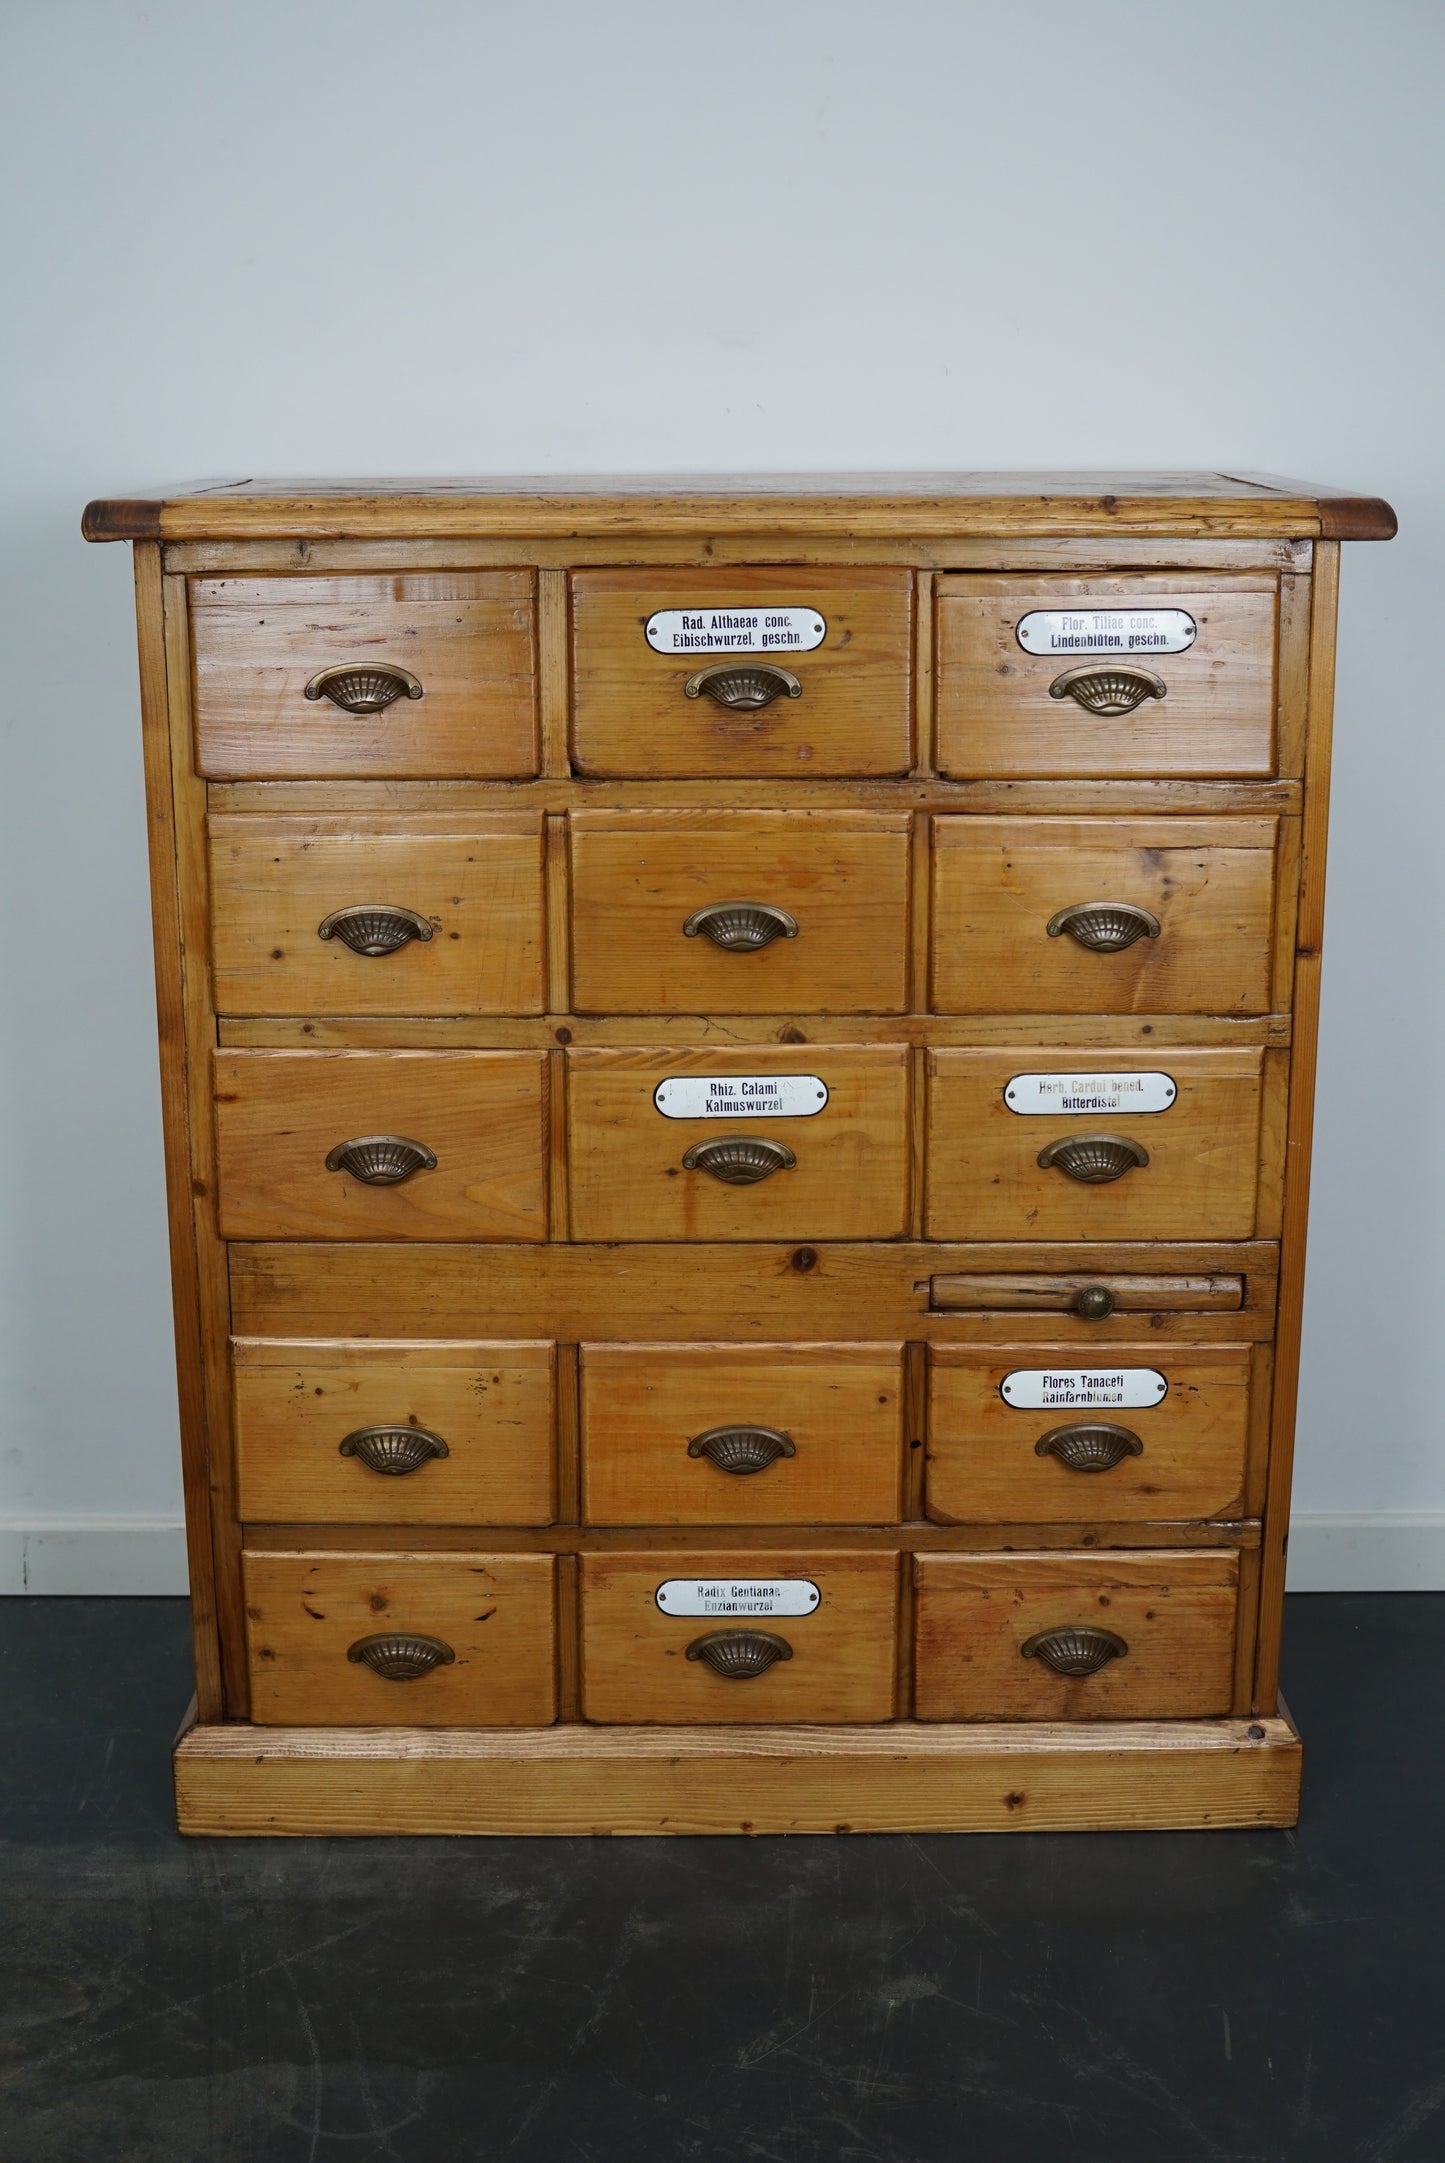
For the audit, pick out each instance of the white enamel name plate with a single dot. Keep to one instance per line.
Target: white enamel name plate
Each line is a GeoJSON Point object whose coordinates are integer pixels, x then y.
{"type": "Point", "coordinates": [738, 1596]}
{"type": "Point", "coordinates": [1107, 630]}
{"type": "Point", "coordinates": [1081, 1389]}
{"type": "Point", "coordinates": [736, 630]}
{"type": "Point", "coordinates": [1089, 1093]}
{"type": "Point", "coordinates": [740, 1096]}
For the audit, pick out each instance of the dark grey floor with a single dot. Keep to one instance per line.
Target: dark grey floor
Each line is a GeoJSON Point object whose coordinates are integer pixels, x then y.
{"type": "Point", "coordinates": [1150, 1998]}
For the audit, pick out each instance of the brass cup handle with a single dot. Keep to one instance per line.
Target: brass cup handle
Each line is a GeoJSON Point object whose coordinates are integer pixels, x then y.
{"type": "Point", "coordinates": [400, 1655]}
{"type": "Point", "coordinates": [1093, 1303]}
{"type": "Point", "coordinates": [393, 1449]}
{"type": "Point", "coordinates": [743, 687]}
{"type": "Point", "coordinates": [1078, 1649]}
{"type": "Point", "coordinates": [1108, 687]}
{"type": "Point", "coordinates": [1089, 1445]}
{"type": "Point", "coordinates": [1104, 927]}
{"type": "Point", "coordinates": [1094, 1159]}
{"type": "Point", "coordinates": [742, 1449]}
{"type": "Point", "coordinates": [363, 687]}
{"type": "Point", "coordinates": [381, 1160]}
{"type": "Point", "coordinates": [739, 1160]}
{"type": "Point", "coordinates": [740, 1655]}
{"type": "Point", "coordinates": [740, 927]}
{"type": "Point", "coordinates": [375, 927]}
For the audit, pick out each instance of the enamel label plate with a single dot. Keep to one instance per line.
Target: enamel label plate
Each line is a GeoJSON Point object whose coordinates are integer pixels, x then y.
{"type": "Point", "coordinates": [1105, 630]}
{"type": "Point", "coordinates": [738, 1596]}
{"type": "Point", "coordinates": [740, 1096]}
{"type": "Point", "coordinates": [736, 630]}
{"type": "Point", "coordinates": [1082, 1389]}
{"type": "Point", "coordinates": [1128, 1093]}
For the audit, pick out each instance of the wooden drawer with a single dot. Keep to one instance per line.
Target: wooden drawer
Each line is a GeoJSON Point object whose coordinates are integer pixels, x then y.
{"type": "Point", "coordinates": [1193, 899]}
{"type": "Point", "coordinates": [630, 1178]}
{"type": "Point", "coordinates": [757, 1434]}
{"type": "Point", "coordinates": [455, 924]}
{"type": "Point", "coordinates": [984, 1176]}
{"type": "Point", "coordinates": [631, 710]}
{"type": "Point", "coordinates": [1046, 1434]}
{"type": "Point", "coordinates": [495, 1614]}
{"type": "Point", "coordinates": [1171, 1617]}
{"type": "Point", "coordinates": [639, 877]}
{"type": "Point", "coordinates": [481, 1114]}
{"type": "Point", "coordinates": [467, 637]}
{"type": "Point", "coordinates": [996, 714]}
{"type": "Point", "coordinates": [461, 1434]}
{"type": "Point", "coordinates": [838, 1660]}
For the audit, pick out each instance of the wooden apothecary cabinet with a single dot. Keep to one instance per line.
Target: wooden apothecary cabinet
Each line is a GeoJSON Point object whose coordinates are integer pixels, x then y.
{"type": "Point", "coordinates": [738, 1063]}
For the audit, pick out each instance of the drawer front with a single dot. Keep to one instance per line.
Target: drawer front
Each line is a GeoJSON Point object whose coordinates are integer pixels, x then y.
{"type": "Point", "coordinates": [1102, 916]}
{"type": "Point", "coordinates": [632, 712]}
{"type": "Point", "coordinates": [759, 1434]}
{"type": "Point", "coordinates": [1140, 1433]}
{"type": "Point", "coordinates": [985, 1180]}
{"type": "Point", "coordinates": [349, 915]}
{"type": "Point", "coordinates": [349, 1431]}
{"type": "Point", "coordinates": [1108, 1637]}
{"type": "Point", "coordinates": [1005, 711]}
{"type": "Point", "coordinates": [640, 879]}
{"type": "Point", "coordinates": [636, 1174]}
{"type": "Point", "coordinates": [740, 1663]}
{"type": "Point", "coordinates": [468, 638]}
{"type": "Point", "coordinates": [280, 1114]}
{"type": "Point", "coordinates": [356, 1640]}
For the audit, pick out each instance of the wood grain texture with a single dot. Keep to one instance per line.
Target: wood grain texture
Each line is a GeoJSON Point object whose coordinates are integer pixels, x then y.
{"type": "Point", "coordinates": [1056, 1292]}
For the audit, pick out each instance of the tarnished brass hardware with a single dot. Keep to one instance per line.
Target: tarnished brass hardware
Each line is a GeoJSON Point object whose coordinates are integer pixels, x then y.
{"type": "Point", "coordinates": [1094, 1303]}
{"type": "Point", "coordinates": [739, 1160]}
{"type": "Point", "coordinates": [1104, 927]}
{"type": "Point", "coordinates": [381, 1160]}
{"type": "Point", "coordinates": [1094, 1159]}
{"type": "Point", "coordinates": [742, 1449]}
{"type": "Point", "coordinates": [364, 687]}
{"type": "Point", "coordinates": [393, 1449]}
{"type": "Point", "coordinates": [743, 689]}
{"type": "Point", "coordinates": [739, 1655]}
{"type": "Point", "coordinates": [1079, 1649]}
{"type": "Point", "coordinates": [740, 927]}
{"type": "Point", "coordinates": [400, 1655]}
{"type": "Point", "coordinates": [374, 927]}
{"type": "Point", "coordinates": [1089, 1445]}
{"type": "Point", "coordinates": [1113, 688]}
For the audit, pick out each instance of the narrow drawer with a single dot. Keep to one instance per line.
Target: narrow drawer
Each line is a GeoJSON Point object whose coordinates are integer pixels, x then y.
{"type": "Point", "coordinates": [466, 638]}
{"type": "Point", "coordinates": [351, 1431]}
{"type": "Point", "coordinates": [794, 1637]}
{"type": "Point", "coordinates": [746, 912]}
{"type": "Point", "coordinates": [825, 1155]}
{"type": "Point", "coordinates": [757, 1434]}
{"type": "Point", "coordinates": [350, 915]}
{"type": "Point", "coordinates": [1188, 1171]}
{"type": "Point", "coordinates": [1102, 916]}
{"type": "Point", "coordinates": [1042, 1434]}
{"type": "Point", "coordinates": [397, 1640]}
{"type": "Point", "coordinates": [280, 1116]}
{"type": "Point", "coordinates": [641, 641]}
{"type": "Point", "coordinates": [1091, 1295]}
{"type": "Point", "coordinates": [1067, 709]}
{"type": "Point", "coordinates": [1064, 1636]}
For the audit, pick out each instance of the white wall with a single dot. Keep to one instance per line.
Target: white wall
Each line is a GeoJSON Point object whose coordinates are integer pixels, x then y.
{"type": "Point", "coordinates": [460, 236]}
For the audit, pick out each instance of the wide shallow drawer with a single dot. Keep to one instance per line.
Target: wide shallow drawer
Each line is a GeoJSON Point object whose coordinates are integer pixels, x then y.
{"type": "Point", "coordinates": [1043, 1434]}
{"type": "Point", "coordinates": [744, 912]}
{"type": "Point", "coordinates": [280, 1115]}
{"type": "Point", "coordinates": [397, 1640]}
{"type": "Point", "coordinates": [773, 1142]}
{"type": "Point", "coordinates": [1007, 710]}
{"type": "Point", "coordinates": [1065, 1636]}
{"type": "Point", "coordinates": [1201, 1154]}
{"type": "Point", "coordinates": [467, 638]}
{"type": "Point", "coordinates": [1102, 916]}
{"type": "Point", "coordinates": [351, 1431]}
{"type": "Point", "coordinates": [640, 639]}
{"type": "Point", "coordinates": [795, 1636]}
{"type": "Point", "coordinates": [756, 1434]}
{"type": "Point", "coordinates": [441, 914]}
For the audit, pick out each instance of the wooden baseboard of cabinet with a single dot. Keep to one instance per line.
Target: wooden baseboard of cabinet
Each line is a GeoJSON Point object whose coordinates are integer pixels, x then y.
{"type": "Point", "coordinates": [1104, 1776]}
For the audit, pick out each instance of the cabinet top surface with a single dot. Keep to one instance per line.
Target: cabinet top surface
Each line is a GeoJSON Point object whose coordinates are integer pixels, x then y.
{"type": "Point", "coordinates": [858, 505]}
